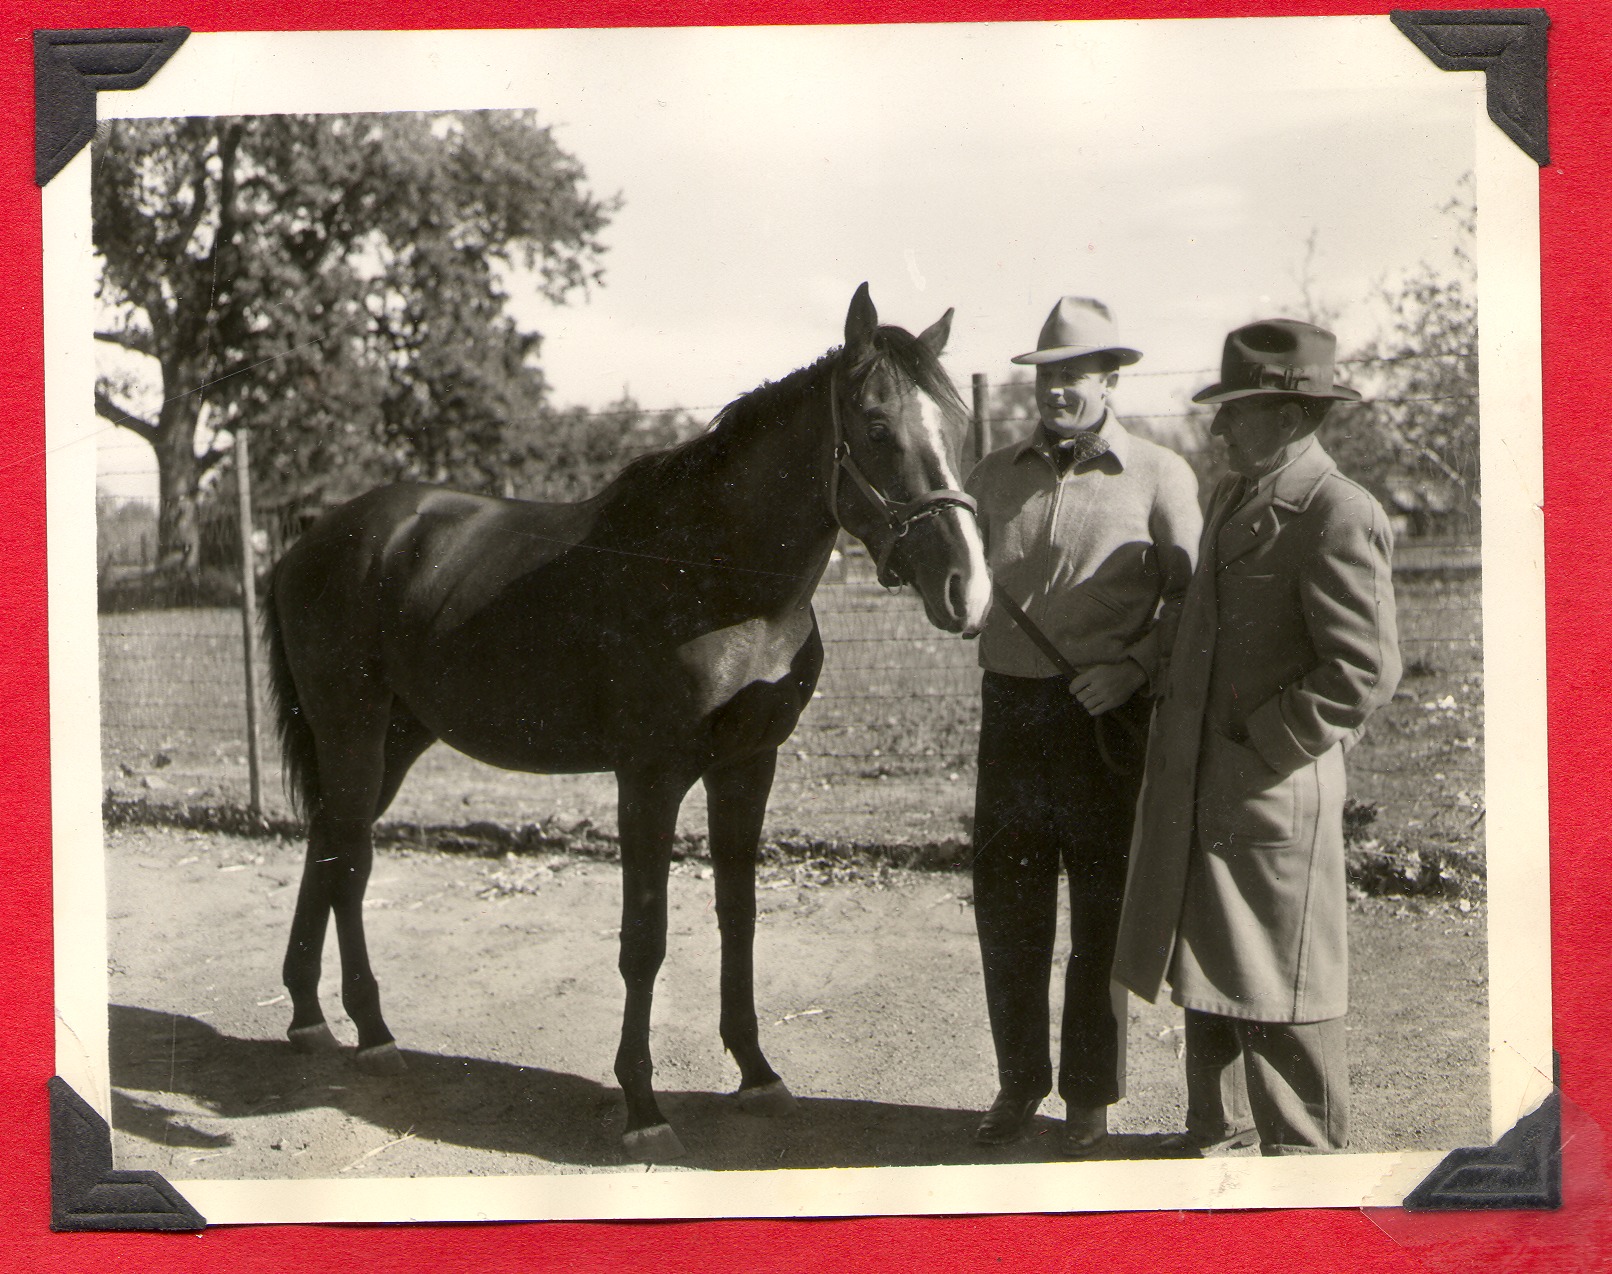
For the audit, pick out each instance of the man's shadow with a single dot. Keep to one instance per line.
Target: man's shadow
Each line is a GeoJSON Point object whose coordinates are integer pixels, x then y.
{"type": "Point", "coordinates": [520, 1110]}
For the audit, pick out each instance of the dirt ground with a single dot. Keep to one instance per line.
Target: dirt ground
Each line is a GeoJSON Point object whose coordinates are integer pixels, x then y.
{"type": "Point", "coordinates": [499, 979]}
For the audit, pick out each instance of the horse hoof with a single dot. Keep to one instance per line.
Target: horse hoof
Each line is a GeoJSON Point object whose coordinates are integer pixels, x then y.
{"type": "Point", "coordinates": [381, 1059]}
{"type": "Point", "coordinates": [772, 1098]}
{"type": "Point", "coordinates": [655, 1144]}
{"type": "Point", "coordinates": [313, 1039]}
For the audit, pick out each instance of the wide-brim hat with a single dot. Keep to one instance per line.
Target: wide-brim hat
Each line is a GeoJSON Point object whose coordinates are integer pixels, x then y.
{"type": "Point", "coordinates": [1078, 326]}
{"type": "Point", "coordinates": [1278, 356]}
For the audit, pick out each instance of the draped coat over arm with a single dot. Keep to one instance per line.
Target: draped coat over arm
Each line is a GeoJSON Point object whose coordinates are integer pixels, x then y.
{"type": "Point", "coordinates": [1287, 644]}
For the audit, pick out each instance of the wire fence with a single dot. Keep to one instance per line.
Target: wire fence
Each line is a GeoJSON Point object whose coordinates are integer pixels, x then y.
{"type": "Point", "coordinates": [893, 723]}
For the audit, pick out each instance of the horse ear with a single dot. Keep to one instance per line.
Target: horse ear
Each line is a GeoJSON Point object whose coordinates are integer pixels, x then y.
{"type": "Point", "coordinates": [860, 321]}
{"type": "Point", "coordinates": [933, 337]}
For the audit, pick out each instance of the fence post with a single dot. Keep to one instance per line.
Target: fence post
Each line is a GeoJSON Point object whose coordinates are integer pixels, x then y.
{"type": "Point", "coordinates": [243, 490]}
{"type": "Point", "coordinates": [982, 423]}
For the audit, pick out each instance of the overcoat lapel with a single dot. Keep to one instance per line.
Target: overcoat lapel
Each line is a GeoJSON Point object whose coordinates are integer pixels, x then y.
{"type": "Point", "coordinates": [1258, 521]}
{"type": "Point", "coordinates": [1246, 529]}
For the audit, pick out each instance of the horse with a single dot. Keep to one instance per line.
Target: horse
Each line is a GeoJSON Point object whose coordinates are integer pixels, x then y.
{"type": "Point", "coordinates": [661, 629]}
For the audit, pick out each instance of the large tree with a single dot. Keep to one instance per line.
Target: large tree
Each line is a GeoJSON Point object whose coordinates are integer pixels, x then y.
{"type": "Point", "coordinates": [337, 283]}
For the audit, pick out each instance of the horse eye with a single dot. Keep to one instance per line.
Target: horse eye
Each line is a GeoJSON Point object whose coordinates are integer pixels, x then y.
{"type": "Point", "coordinates": [878, 431]}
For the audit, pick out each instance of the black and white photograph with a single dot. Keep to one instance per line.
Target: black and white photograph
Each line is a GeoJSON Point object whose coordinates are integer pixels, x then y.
{"type": "Point", "coordinates": [797, 621]}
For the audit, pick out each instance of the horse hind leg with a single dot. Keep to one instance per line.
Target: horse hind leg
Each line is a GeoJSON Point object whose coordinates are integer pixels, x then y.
{"type": "Point", "coordinates": [736, 800]}
{"type": "Point", "coordinates": [406, 739]}
{"type": "Point", "coordinates": [309, 1032]}
{"type": "Point", "coordinates": [360, 769]}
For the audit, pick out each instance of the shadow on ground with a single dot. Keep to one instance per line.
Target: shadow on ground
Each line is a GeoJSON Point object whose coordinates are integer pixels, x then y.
{"type": "Point", "coordinates": [527, 1111]}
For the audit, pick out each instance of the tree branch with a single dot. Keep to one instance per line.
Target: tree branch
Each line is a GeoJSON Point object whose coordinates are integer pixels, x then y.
{"type": "Point", "coordinates": [106, 408]}
{"type": "Point", "coordinates": [139, 342]}
{"type": "Point", "coordinates": [198, 204]}
{"type": "Point", "coordinates": [1400, 438]}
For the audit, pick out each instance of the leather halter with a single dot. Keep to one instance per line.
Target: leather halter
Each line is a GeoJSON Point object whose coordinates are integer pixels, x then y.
{"type": "Point", "coordinates": [895, 519]}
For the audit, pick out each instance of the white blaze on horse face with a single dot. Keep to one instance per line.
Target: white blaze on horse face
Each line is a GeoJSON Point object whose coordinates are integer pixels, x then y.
{"type": "Point", "coordinates": [974, 575]}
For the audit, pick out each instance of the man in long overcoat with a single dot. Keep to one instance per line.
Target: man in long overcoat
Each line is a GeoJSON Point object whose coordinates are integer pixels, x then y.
{"type": "Point", "coordinates": [1287, 645]}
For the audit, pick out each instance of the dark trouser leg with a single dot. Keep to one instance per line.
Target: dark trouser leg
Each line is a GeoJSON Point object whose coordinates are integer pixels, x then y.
{"type": "Point", "coordinates": [1096, 838]}
{"type": "Point", "coordinates": [1298, 1085]}
{"type": "Point", "coordinates": [1015, 878]}
{"type": "Point", "coordinates": [1217, 1091]}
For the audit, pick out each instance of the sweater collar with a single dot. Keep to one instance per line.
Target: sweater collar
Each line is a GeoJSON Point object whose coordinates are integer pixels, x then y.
{"type": "Point", "coordinates": [1114, 433]}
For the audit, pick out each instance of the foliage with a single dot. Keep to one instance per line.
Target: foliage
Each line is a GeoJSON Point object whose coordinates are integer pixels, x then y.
{"type": "Point", "coordinates": [1415, 442]}
{"type": "Point", "coordinates": [574, 452]}
{"type": "Point", "coordinates": [337, 283]}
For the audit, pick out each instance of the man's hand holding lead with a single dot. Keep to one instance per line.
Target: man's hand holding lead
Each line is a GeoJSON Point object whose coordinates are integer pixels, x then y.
{"type": "Point", "coordinates": [1104, 687]}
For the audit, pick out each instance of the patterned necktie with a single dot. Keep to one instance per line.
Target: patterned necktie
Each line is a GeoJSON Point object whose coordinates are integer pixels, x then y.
{"type": "Point", "coordinates": [1081, 449]}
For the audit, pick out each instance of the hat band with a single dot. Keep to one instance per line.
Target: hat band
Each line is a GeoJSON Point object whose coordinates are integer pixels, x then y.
{"type": "Point", "coordinates": [1284, 377]}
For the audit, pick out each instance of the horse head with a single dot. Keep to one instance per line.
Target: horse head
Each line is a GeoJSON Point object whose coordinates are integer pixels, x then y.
{"type": "Point", "coordinates": [898, 431]}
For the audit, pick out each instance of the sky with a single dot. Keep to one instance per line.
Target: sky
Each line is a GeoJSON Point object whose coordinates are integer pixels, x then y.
{"type": "Point", "coordinates": [1177, 170]}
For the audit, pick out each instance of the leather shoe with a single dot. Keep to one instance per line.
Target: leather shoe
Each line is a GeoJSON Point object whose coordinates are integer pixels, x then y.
{"type": "Point", "coordinates": [1085, 1132]}
{"type": "Point", "coordinates": [1008, 1119]}
{"type": "Point", "coordinates": [1183, 1144]}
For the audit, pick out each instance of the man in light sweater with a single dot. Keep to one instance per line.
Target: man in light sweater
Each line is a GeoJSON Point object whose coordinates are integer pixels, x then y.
{"type": "Point", "coordinates": [1092, 531]}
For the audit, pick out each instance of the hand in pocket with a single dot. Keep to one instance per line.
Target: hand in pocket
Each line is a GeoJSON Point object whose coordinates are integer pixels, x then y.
{"type": "Point", "coordinates": [1241, 800]}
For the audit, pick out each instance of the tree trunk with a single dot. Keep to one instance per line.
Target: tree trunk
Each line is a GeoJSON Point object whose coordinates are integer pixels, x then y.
{"type": "Point", "coordinates": [178, 473]}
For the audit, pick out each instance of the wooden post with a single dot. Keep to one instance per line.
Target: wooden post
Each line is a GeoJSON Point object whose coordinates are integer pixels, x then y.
{"type": "Point", "coordinates": [982, 423]}
{"type": "Point", "coordinates": [243, 490]}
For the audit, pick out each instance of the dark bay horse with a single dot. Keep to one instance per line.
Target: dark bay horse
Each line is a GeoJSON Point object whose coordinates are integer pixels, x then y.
{"type": "Point", "coordinates": [662, 629]}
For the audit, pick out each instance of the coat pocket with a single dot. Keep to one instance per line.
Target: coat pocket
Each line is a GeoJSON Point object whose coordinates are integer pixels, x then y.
{"type": "Point", "coordinates": [1241, 801]}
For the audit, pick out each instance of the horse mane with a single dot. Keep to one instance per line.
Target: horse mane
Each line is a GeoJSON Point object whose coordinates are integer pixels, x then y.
{"type": "Point", "coordinates": [772, 401]}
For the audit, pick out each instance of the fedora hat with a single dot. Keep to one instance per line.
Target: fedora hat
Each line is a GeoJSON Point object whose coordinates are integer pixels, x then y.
{"type": "Point", "coordinates": [1078, 325]}
{"type": "Point", "coordinates": [1277, 356]}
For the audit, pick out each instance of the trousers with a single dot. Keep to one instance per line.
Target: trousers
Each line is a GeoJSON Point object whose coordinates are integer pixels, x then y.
{"type": "Point", "coordinates": [1047, 798]}
{"type": "Point", "coordinates": [1290, 1080]}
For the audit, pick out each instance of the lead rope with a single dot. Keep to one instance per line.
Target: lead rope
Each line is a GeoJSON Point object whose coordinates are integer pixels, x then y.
{"type": "Point", "coordinates": [1103, 725]}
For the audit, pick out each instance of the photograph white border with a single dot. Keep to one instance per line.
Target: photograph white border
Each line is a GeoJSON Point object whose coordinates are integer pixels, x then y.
{"type": "Point", "coordinates": [232, 73]}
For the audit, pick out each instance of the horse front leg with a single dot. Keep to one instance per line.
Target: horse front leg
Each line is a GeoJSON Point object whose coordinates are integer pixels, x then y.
{"type": "Point", "coordinates": [647, 821]}
{"type": "Point", "coordinates": [736, 798]}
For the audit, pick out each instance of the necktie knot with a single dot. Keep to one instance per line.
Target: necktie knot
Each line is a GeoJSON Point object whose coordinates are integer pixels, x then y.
{"type": "Point", "coordinates": [1083, 447]}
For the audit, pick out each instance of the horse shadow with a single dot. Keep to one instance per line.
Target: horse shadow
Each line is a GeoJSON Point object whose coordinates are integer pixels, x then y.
{"type": "Point", "coordinates": [486, 1105]}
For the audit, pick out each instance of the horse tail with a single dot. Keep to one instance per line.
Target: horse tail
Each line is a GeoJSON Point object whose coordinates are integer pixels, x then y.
{"type": "Point", "coordinates": [299, 756]}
